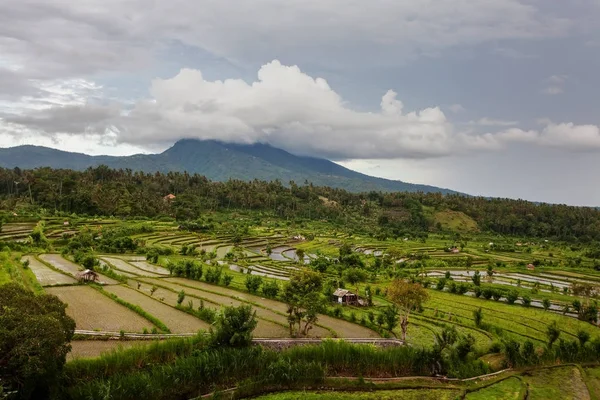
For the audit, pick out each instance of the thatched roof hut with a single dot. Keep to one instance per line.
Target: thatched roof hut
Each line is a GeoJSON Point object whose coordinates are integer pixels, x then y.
{"type": "Point", "coordinates": [87, 276]}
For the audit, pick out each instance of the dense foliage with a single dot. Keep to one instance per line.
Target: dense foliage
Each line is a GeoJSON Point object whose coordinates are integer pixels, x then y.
{"type": "Point", "coordinates": [102, 191]}
{"type": "Point", "coordinates": [34, 341]}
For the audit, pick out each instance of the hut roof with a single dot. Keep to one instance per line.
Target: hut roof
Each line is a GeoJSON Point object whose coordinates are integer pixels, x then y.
{"type": "Point", "coordinates": [87, 272]}
{"type": "Point", "coordinates": [342, 292]}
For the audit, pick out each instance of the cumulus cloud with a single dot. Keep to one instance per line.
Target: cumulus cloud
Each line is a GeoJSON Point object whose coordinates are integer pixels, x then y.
{"type": "Point", "coordinates": [485, 121]}
{"type": "Point", "coordinates": [287, 108]}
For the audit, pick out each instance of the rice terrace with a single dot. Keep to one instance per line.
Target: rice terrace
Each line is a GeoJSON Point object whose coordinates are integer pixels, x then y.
{"type": "Point", "coordinates": [302, 292]}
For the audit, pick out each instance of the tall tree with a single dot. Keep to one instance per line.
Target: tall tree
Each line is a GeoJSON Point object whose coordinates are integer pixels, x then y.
{"type": "Point", "coordinates": [408, 297]}
{"type": "Point", "coordinates": [304, 300]}
{"type": "Point", "coordinates": [35, 332]}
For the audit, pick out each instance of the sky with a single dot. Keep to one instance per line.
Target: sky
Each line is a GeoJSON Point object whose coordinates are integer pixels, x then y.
{"type": "Point", "coordinates": [488, 97]}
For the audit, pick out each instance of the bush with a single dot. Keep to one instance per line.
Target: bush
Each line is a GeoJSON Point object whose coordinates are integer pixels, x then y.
{"type": "Point", "coordinates": [234, 327]}
{"type": "Point", "coordinates": [270, 289]}
{"type": "Point", "coordinates": [213, 275]}
{"type": "Point", "coordinates": [227, 278]}
{"type": "Point", "coordinates": [253, 282]}
{"type": "Point", "coordinates": [512, 296]}
{"type": "Point", "coordinates": [478, 316]}
{"type": "Point", "coordinates": [526, 300]}
{"type": "Point", "coordinates": [180, 297]}
{"type": "Point", "coordinates": [34, 337]}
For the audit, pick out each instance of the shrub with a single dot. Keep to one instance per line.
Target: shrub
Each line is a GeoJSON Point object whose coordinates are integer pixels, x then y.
{"type": "Point", "coordinates": [270, 289]}
{"type": "Point", "coordinates": [546, 304]}
{"type": "Point", "coordinates": [512, 296]}
{"type": "Point", "coordinates": [478, 316]}
{"type": "Point", "coordinates": [227, 278]}
{"type": "Point", "coordinates": [253, 282]}
{"type": "Point", "coordinates": [234, 327]}
{"type": "Point", "coordinates": [583, 337]}
{"type": "Point", "coordinates": [441, 284]}
{"type": "Point", "coordinates": [526, 300]}
{"type": "Point", "coordinates": [180, 297]}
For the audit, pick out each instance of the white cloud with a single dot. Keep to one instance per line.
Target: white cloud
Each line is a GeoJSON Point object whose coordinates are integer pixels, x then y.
{"type": "Point", "coordinates": [485, 121]}
{"type": "Point", "coordinates": [567, 136]}
{"type": "Point", "coordinates": [289, 109]}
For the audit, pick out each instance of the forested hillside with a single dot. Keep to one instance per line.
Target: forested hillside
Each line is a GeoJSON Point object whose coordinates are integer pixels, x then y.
{"type": "Point", "coordinates": [124, 193]}
{"type": "Point", "coordinates": [219, 162]}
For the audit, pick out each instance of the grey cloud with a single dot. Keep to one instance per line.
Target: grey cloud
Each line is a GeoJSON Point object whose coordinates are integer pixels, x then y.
{"type": "Point", "coordinates": [67, 119]}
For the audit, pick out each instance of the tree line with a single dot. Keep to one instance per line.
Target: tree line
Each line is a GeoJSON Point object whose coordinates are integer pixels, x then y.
{"type": "Point", "coordinates": [108, 192]}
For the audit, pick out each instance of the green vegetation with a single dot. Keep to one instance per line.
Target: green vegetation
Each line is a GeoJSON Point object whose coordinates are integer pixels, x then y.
{"type": "Point", "coordinates": [34, 341]}
{"type": "Point", "coordinates": [472, 285]}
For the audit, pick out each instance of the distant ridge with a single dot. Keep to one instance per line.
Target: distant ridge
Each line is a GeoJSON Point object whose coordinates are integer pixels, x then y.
{"type": "Point", "coordinates": [218, 161]}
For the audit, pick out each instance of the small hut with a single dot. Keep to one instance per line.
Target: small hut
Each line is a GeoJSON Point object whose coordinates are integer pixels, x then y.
{"type": "Point", "coordinates": [345, 297]}
{"type": "Point", "coordinates": [169, 198]}
{"type": "Point", "coordinates": [87, 276]}
{"type": "Point", "coordinates": [531, 267]}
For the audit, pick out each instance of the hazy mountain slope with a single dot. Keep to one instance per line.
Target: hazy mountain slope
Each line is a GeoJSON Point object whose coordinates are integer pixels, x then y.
{"type": "Point", "coordinates": [218, 161]}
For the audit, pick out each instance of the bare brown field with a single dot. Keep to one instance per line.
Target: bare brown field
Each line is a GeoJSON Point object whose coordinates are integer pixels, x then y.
{"type": "Point", "coordinates": [94, 311]}
{"type": "Point", "coordinates": [341, 327]}
{"type": "Point", "coordinates": [177, 321]}
{"type": "Point", "coordinates": [94, 348]}
{"type": "Point", "coordinates": [127, 267]}
{"type": "Point", "coordinates": [47, 276]}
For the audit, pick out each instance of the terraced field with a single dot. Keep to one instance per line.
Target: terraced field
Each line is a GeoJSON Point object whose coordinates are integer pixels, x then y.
{"type": "Point", "coordinates": [122, 265]}
{"type": "Point", "coordinates": [92, 310]}
{"type": "Point", "coordinates": [147, 267]}
{"type": "Point", "coordinates": [177, 321]}
{"type": "Point", "coordinates": [508, 389]}
{"type": "Point", "coordinates": [565, 383]}
{"type": "Point", "coordinates": [69, 267]}
{"type": "Point", "coordinates": [340, 327]}
{"type": "Point", "coordinates": [406, 394]}
{"type": "Point", "coordinates": [516, 320]}
{"type": "Point", "coordinates": [270, 324]}
{"type": "Point", "coordinates": [47, 276]}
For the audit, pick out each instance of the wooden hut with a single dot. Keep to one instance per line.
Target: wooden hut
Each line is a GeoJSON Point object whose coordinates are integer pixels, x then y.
{"type": "Point", "coordinates": [87, 276]}
{"type": "Point", "coordinates": [345, 297]}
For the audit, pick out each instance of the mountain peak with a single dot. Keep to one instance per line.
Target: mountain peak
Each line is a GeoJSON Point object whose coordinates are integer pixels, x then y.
{"type": "Point", "coordinates": [218, 161]}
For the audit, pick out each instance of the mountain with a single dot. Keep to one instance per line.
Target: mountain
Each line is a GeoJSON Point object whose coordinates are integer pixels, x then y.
{"type": "Point", "coordinates": [218, 161]}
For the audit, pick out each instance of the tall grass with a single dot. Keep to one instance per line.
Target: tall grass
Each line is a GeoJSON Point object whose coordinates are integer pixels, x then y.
{"type": "Point", "coordinates": [133, 359]}
{"type": "Point", "coordinates": [193, 368]}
